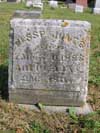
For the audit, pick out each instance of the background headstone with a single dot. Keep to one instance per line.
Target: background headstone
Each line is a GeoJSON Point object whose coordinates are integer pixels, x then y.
{"type": "Point", "coordinates": [26, 14]}
{"type": "Point", "coordinates": [53, 4]}
{"type": "Point", "coordinates": [79, 8]}
{"type": "Point", "coordinates": [82, 2]}
{"type": "Point", "coordinates": [29, 3]}
{"type": "Point", "coordinates": [49, 61]}
{"type": "Point", "coordinates": [38, 4]}
{"type": "Point", "coordinates": [97, 7]}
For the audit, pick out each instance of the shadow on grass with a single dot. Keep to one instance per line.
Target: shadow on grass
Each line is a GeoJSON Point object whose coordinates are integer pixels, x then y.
{"type": "Point", "coordinates": [4, 82]}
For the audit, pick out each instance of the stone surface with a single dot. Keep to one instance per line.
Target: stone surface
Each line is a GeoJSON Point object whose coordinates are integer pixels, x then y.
{"type": "Point", "coordinates": [72, 6]}
{"type": "Point", "coordinates": [27, 14]}
{"type": "Point", "coordinates": [49, 61]}
{"type": "Point", "coordinates": [79, 8]}
{"type": "Point", "coordinates": [53, 4]}
{"type": "Point", "coordinates": [86, 109]}
{"type": "Point", "coordinates": [29, 3]}
{"type": "Point", "coordinates": [38, 4]}
{"type": "Point", "coordinates": [97, 7]}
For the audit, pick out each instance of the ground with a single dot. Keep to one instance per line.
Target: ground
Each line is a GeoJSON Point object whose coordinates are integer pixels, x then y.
{"type": "Point", "coordinates": [15, 119]}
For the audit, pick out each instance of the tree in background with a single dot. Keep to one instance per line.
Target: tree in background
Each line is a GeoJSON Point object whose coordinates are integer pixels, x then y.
{"type": "Point", "coordinates": [91, 3]}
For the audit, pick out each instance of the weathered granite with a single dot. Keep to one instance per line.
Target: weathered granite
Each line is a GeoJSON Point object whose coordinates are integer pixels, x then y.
{"type": "Point", "coordinates": [26, 14]}
{"type": "Point", "coordinates": [49, 61]}
{"type": "Point", "coordinates": [97, 7]}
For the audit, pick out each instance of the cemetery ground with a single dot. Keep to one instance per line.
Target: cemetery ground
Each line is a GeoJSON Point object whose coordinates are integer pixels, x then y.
{"type": "Point", "coordinates": [14, 119]}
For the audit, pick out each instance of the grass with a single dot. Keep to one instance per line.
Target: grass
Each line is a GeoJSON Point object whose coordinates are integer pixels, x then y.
{"type": "Point", "coordinates": [14, 119]}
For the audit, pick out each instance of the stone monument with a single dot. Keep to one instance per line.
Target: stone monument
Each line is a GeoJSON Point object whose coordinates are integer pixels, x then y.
{"type": "Point", "coordinates": [53, 4]}
{"type": "Point", "coordinates": [97, 7]}
{"type": "Point", "coordinates": [38, 4]}
{"type": "Point", "coordinates": [49, 61]}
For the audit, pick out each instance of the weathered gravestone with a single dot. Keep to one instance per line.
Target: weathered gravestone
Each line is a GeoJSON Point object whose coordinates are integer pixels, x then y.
{"type": "Point", "coordinates": [97, 7]}
{"type": "Point", "coordinates": [49, 61]}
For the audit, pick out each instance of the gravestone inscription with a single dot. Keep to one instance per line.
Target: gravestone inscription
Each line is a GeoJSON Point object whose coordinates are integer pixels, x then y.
{"type": "Point", "coordinates": [49, 61]}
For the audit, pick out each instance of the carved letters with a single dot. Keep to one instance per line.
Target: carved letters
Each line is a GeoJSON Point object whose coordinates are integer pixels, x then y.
{"type": "Point", "coordinates": [50, 57]}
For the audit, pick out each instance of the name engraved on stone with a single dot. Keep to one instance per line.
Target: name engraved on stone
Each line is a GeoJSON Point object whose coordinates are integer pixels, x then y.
{"type": "Point", "coordinates": [53, 58]}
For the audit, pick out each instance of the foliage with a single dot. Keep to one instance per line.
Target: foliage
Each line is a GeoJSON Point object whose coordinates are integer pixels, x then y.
{"type": "Point", "coordinates": [86, 123]}
{"type": "Point", "coordinates": [37, 128]}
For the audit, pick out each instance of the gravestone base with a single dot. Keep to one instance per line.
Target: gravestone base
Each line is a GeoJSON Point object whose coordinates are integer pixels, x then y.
{"type": "Point", "coordinates": [54, 98]}
{"type": "Point", "coordinates": [48, 62]}
{"type": "Point", "coordinates": [96, 10]}
{"type": "Point", "coordinates": [85, 109]}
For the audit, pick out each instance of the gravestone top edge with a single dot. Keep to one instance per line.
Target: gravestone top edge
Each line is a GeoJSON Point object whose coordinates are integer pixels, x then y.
{"type": "Point", "coordinates": [50, 22]}
{"type": "Point", "coordinates": [27, 14]}
{"type": "Point", "coordinates": [24, 11]}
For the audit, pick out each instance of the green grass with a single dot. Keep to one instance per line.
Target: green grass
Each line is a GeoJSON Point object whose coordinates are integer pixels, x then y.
{"type": "Point", "coordinates": [7, 10]}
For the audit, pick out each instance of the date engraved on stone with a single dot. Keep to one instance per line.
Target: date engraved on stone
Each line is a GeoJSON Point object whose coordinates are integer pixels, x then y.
{"type": "Point", "coordinates": [50, 57]}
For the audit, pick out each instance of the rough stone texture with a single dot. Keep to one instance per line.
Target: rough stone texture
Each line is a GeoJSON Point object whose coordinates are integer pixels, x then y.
{"type": "Point", "coordinates": [97, 7]}
{"type": "Point", "coordinates": [49, 61]}
{"type": "Point", "coordinates": [27, 14]}
{"type": "Point", "coordinates": [86, 109]}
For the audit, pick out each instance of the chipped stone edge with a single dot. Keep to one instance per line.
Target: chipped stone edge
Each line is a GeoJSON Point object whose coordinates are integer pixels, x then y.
{"type": "Point", "coordinates": [84, 110]}
{"type": "Point", "coordinates": [55, 22]}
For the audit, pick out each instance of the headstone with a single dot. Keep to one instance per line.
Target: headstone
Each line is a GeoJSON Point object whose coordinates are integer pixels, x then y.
{"type": "Point", "coordinates": [72, 6]}
{"type": "Point", "coordinates": [38, 4]}
{"type": "Point", "coordinates": [49, 61]}
{"type": "Point", "coordinates": [82, 2]}
{"type": "Point", "coordinates": [97, 7]}
{"type": "Point", "coordinates": [53, 4]}
{"type": "Point", "coordinates": [26, 14]}
{"type": "Point", "coordinates": [79, 8]}
{"type": "Point", "coordinates": [17, 1]}
{"type": "Point", "coordinates": [29, 3]}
